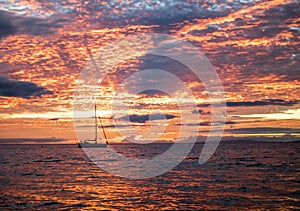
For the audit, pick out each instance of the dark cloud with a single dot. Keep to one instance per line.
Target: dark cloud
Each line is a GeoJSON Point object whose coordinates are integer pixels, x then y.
{"type": "Point", "coordinates": [166, 12]}
{"type": "Point", "coordinates": [53, 119]}
{"type": "Point", "coordinates": [208, 123]}
{"type": "Point", "coordinates": [24, 89]}
{"type": "Point", "coordinates": [271, 21]}
{"type": "Point", "coordinates": [196, 124]}
{"type": "Point", "coordinates": [257, 130]}
{"type": "Point", "coordinates": [275, 102]}
{"type": "Point", "coordinates": [11, 24]}
{"type": "Point", "coordinates": [147, 12]}
{"type": "Point", "coordinates": [6, 27]}
{"type": "Point", "coordinates": [283, 11]}
{"type": "Point", "coordinates": [37, 27]}
{"type": "Point", "coordinates": [144, 118]}
{"type": "Point", "coordinates": [152, 93]}
{"type": "Point", "coordinates": [151, 61]}
{"type": "Point", "coordinates": [230, 123]}
{"type": "Point", "coordinates": [200, 111]}
{"type": "Point", "coordinates": [27, 140]}
{"type": "Point", "coordinates": [264, 130]}
{"type": "Point", "coordinates": [209, 29]}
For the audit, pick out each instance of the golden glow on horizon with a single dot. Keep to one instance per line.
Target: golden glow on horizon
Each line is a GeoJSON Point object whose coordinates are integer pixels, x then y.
{"type": "Point", "coordinates": [288, 114]}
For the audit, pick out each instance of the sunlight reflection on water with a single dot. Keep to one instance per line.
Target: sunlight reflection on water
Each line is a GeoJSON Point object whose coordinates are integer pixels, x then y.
{"type": "Point", "coordinates": [239, 175]}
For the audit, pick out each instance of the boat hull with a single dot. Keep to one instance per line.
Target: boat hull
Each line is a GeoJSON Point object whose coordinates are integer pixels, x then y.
{"type": "Point", "coordinates": [88, 145]}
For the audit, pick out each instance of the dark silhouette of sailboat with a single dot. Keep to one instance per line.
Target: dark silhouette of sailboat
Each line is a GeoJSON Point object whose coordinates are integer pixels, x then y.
{"type": "Point", "coordinates": [94, 143]}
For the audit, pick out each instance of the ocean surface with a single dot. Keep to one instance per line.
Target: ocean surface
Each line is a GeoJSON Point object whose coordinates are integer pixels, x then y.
{"type": "Point", "coordinates": [240, 176]}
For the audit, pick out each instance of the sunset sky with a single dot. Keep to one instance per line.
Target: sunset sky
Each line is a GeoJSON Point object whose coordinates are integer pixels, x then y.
{"type": "Point", "coordinates": [252, 44]}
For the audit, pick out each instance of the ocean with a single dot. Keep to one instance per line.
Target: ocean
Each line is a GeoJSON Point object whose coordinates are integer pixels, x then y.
{"type": "Point", "coordinates": [239, 176]}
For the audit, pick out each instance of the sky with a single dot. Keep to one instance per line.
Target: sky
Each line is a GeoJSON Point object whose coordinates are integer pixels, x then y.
{"type": "Point", "coordinates": [252, 45]}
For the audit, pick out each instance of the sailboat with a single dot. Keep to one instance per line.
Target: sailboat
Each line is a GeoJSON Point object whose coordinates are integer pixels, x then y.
{"type": "Point", "coordinates": [93, 143]}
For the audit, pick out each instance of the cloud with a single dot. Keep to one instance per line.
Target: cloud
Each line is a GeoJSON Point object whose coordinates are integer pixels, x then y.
{"type": "Point", "coordinates": [208, 123]}
{"type": "Point", "coordinates": [11, 23]}
{"type": "Point", "coordinates": [275, 102]}
{"type": "Point", "coordinates": [114, 12]}
{"type": "Point", "coordinates": [264, 130]}
{"type": "Point", "coordinates": [152, 93]}
{"type": "Point", "coordinates": [24, 89]}
{"type": "Point", "coordinates": [6, 27]}
{"type": "Point", "coordinates": [257, 130]}
{"type": "Point", "coordinates": [144, 118]}
{"type": "Point", "coordinates": [53, 119]}
{"type": "Point", "coordinates": [200, 111]}
{"type": "Point", "coordinates": [161, 12]}
{"type": "Point", "coordinates": [26, 140]}
{"type": "Point", "coordinates": [37, 27]}
{"type": "Point", "coordinates": [41, 9]}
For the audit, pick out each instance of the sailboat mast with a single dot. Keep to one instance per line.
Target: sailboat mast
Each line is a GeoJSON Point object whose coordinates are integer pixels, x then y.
{"type": "Point", "coordinates": [103, 129]}
{"type": "Point", "coordinates": [96, 127]}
